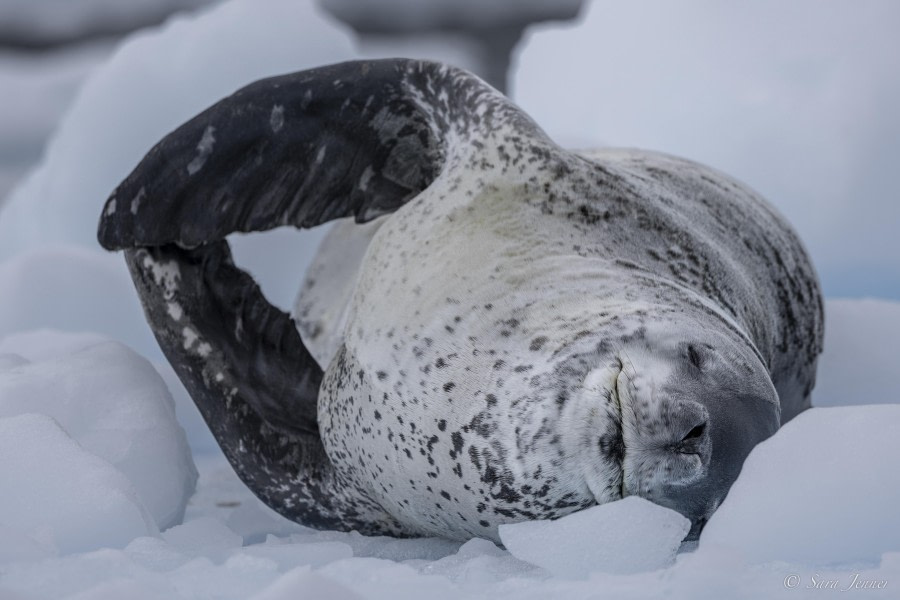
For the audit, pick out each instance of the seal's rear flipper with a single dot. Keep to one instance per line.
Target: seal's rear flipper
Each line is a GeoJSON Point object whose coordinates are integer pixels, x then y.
{"type": "Point", "coordinates": [354, 139]}
{"type": "Point", "coordinates": [245, 367]}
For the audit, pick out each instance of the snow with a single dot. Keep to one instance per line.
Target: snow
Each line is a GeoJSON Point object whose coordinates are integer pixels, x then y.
{"type": "Point", "coordinates": [628, 536]}
{"type": "Point", "coordinates": [113, 405]}
{"type": "Point", "coordinates": [202, 558]}
{"type": "Point", "coordinates": [36, 91]}
{"type": "Point", "coordinates": [312, 584]}
{"type": "Point", "coordinates": [156, 80]}
{"type": "Point", "coordinates": [819, 464]}
{"type": "Point", "coordinates": [862, 334]}
{"type": "Point", "coordinates": [63, 496]}
{"type": "Point", "coordinates": [414, 15]}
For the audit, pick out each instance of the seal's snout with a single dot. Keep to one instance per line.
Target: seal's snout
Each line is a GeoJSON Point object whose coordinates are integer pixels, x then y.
{"type": "Point", "coordinates": [667, 444]}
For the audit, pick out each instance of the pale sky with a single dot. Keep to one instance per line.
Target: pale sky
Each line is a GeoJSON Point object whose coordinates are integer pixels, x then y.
{"type": "Point", "coordinates": [800, 100]}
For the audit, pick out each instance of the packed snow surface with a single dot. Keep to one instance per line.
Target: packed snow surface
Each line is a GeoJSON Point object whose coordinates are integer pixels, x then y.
{"type": "Point", "coordinates": [815, 507]}
{"type": "Point", "coordinates": [628, 536]}
{"type": "Point", "coordinates": [112, 404]}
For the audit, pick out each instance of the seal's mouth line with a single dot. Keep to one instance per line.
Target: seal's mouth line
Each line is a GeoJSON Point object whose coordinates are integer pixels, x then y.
{"type": "Point", "coordinates": [618, 396]}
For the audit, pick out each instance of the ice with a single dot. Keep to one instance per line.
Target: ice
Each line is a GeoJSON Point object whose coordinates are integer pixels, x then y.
{"type": "Point", "coordinates": [815, 500]}
{"type": "Point", "coordinates": [859, 365]}
{"type": "Point", "coordinates": [254, 522]}
{"type": "Point", "coordinates": [479, 562]}
{"type": "Point", "coordinates": [824, 489]}
{"type": "Point", "coordinates": [195, 428]}
{"type": "Point", "coordinates": [627, 536]}
{"type": "Point", "coordinates": [33, 24]}
{"type": "Point", "coordinates": [11, 361]}
{"type": "Point", "coordinates": [118, 589]}
{"type": "Point", "coordinates": [301, 582]}
{"type": "Point", "coordinates": [477, 569]}
{"type": "Point", "coordinates": [114, 405]}
{"type": "Point", "coordinates": [202, 536]}
{"type": "Point", "coordinates": [54, 488]}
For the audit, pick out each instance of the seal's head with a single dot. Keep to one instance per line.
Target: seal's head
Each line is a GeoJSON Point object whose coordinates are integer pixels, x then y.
{"type": "Point", "coordinates": [674, 411]}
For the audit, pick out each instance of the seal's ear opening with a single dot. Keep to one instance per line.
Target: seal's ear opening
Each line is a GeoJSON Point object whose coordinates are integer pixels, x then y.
{"type": "Point", "coordinates": [354, 139]}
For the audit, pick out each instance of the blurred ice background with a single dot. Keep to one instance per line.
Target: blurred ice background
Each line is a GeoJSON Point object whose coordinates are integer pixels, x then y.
{"type": "Point", "coordinates": [798, 99]}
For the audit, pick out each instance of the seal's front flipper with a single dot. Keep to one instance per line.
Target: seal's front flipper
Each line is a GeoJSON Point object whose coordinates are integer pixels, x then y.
{"type": "Point", "coordinates": [300, 149]}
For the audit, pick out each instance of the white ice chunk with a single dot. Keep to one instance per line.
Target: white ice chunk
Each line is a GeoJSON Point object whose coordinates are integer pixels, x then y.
{"type": "Point", "coordinates": [254, 521]}
{"type": "Point", "coordinates": [51, 483]}
{"type": "Point", "coordinates": [626, 536]}
{"type": "Point", "coordinates": [202, 536]}
{"type": "Point", "coordinates": [824, 489]}
{"type": "Point", "coordinates": [480, 561]}
{"type": "Point", "coordinates": [302, 583]}
{"type": "Point", "coordinates": [114, 404]}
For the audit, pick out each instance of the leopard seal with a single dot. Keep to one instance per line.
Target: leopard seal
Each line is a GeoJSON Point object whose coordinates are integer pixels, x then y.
{"type": "Point", "coordinates": [527, 331]}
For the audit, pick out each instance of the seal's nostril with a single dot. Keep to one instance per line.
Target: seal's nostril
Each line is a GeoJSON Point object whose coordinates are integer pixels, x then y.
{"type": "Point", "coordinates": [692, 441]}
{"type": "Point", "coordinates": [695, 433]}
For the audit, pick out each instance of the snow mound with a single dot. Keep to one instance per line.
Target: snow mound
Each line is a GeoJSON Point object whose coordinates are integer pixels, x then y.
{"type": "Point", "coordinates": [56, 491]}
{"type": "Point", "coordinates": [115, 406]}
{"type": "Point", "coordinates": [859, 364]}
{"type": "Point", "coordinates": [824, 489]}
{"type": "Point", "coordinates": [627, 536]}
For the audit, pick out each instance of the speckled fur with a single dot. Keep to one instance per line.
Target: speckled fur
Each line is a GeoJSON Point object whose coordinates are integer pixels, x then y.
{"type": "Point", "coordinates": [477, 302]}
{"type": "Point", "coordinates": [533, 331]}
